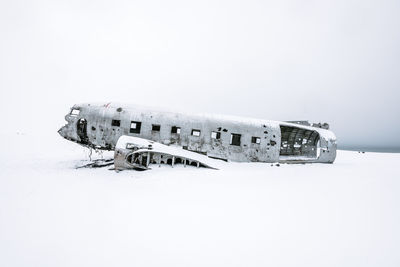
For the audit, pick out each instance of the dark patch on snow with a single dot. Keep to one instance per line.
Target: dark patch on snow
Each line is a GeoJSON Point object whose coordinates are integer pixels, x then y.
{"type": "Point", "coordinates": [98, 163]}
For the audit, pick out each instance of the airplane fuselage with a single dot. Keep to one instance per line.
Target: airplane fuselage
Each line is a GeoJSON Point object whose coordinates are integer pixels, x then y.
{"type": "Point", "coordinates": [229, 138]}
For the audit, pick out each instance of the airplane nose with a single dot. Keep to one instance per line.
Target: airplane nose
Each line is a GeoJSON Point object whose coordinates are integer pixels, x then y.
{"type": "Point", "coordinates": [61, 131]}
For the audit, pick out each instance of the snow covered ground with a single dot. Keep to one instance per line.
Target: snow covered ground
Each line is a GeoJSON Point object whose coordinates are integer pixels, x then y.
{"type": "Point", "coordinates": [247, 214]}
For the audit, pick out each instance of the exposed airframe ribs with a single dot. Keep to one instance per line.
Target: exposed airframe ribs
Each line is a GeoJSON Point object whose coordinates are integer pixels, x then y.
{"type": "Point", "coordinates": [140, 154]}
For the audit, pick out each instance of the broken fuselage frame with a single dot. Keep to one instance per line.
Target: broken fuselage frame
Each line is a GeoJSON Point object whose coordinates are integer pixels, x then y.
{"type": "Point", "coordinates": [138, 153]}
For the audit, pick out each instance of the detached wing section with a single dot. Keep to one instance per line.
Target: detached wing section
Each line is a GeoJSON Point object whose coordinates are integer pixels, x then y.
{"type": "Point", "coordinates": [140, 154]}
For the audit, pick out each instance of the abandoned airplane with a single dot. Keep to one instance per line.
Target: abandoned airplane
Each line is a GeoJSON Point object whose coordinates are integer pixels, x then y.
{"type": "Point", "coordinates": [142, 136]}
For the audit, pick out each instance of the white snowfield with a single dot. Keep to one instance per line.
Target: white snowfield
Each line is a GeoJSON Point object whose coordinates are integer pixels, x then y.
{"type": "Point", "coordinates": [245, 214]}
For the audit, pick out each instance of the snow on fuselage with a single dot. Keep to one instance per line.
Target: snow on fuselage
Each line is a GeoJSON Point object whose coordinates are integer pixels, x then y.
{"type": "Point", "coordinates": [224, 137]}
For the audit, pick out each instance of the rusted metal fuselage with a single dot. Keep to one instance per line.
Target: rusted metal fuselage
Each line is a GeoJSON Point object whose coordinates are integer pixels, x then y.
{"type": "Point", "coordinates": [100, 126]}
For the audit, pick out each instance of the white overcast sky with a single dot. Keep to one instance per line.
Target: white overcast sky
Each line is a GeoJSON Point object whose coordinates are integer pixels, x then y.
{"type": "Point", "coordinates": [334, 61]}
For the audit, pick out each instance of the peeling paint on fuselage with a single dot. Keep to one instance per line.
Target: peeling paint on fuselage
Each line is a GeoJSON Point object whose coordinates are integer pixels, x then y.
{"type": "Point", "coordinates": [101, 134]}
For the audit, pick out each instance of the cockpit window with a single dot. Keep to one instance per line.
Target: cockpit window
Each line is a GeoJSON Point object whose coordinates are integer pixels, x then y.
{"type": "Point", "coordinates": [75, 112]}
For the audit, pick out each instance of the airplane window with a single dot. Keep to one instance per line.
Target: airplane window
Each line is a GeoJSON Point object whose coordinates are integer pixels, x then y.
{"type": "Point", "coordinates": [255, 140]}
{"type": "Point", "coordinates": [195, 132]}
{"type": "Point", "coordinates": [75, 112]}
{"type": "Point", "coordinates": [115, 123]}
{"type": "Point", "coordinates": [135, 127]}
{"type": "Point", "coordinates": [235, 139]}
{"type": "Point", "coordinates": [175, 130]}
{"type": "Point", "coordinates": [216, 135]}
{"type": "Point", "coordinates": [156, 127]}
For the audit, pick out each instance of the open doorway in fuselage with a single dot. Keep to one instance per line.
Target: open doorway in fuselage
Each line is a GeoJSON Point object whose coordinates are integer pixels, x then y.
{"type": "Point", "coordinates": [81, 130]}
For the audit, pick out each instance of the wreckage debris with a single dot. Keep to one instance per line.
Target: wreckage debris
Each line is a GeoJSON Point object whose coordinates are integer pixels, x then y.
{"type": "Point", "coordinates": [140, 154]}
{"type": "Point", "coordinates": [98, 163]}
{"type": "Point", "coordinates": [100, 126]}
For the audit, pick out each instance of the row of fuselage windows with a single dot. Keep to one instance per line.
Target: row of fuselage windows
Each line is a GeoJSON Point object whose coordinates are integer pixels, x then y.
{"type": "Point", "coordinates": [137, 125]}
